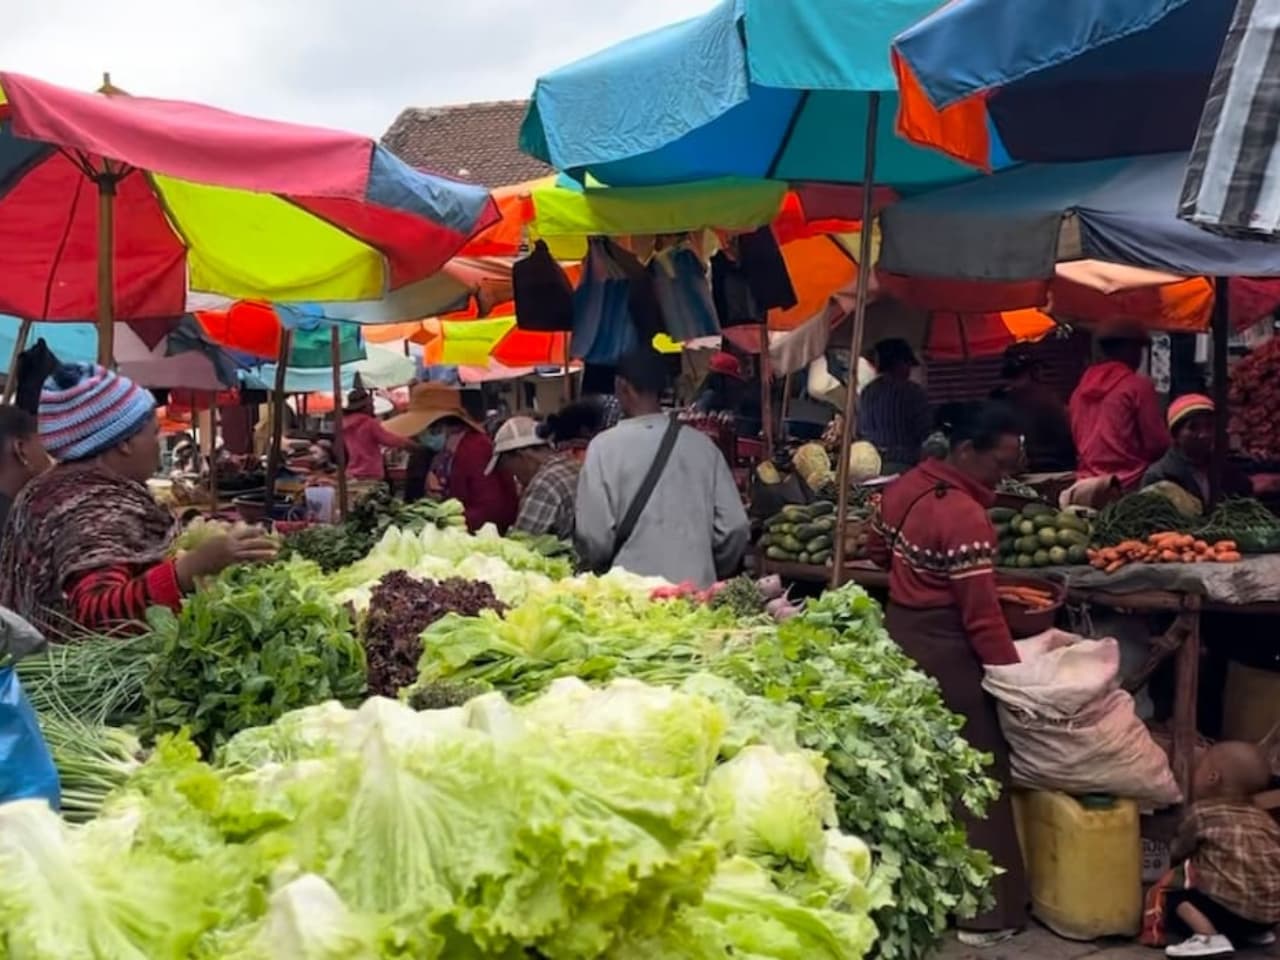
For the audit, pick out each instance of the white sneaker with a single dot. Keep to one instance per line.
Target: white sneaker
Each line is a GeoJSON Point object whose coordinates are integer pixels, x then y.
{"type": "Point", "coordinates": [1267, 939]}
{"type": "Point", "coordinates": [985, 938]}
{"type": "Point", "coordinates": [1202, 946]}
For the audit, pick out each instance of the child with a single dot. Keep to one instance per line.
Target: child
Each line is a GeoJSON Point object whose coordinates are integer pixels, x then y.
{"type": "Point", "coordinates": [1234, 852]}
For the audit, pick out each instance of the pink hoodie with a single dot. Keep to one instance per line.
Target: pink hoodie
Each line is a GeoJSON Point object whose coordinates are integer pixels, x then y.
{"type": "Point", "coordinates": [1117, 424]}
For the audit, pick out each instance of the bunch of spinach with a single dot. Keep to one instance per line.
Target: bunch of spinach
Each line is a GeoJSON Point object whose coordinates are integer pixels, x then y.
{"type": "Point", "coordinates": [255, 644]}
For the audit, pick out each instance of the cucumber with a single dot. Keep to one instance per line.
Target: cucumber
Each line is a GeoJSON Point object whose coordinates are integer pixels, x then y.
{"type": "Point", "coordinates": [1027, 544]}
{"type": "Point", "coordinates": [1048, 536]}
{"type": "Point", "coordinates": [821, 557]}
{"type": "Point", "coordinates": [1067, 520]}
{"type": "Point", "coordinates": [777, 553]}
{"type": "Point", "coordinates": [1041, 558]}
{"type": "Point", "coordinates": [1058, 556]}
{"type": "Point", "coordinates": [1077, 554]}
{"type": "Point", "coordinates": [818, 544]}
{"type": "Point", "coordinates": [765, 542]}
{"type": "Point", "coordinates": [1026, 527]}
{"type": "Point", "coordinates": [1003, 529]}
{"type": "Point", "coordinates": [1072, 538]}
{"type": "Point", "coordinates": [1025, 560]}
{"type": "Point", "coordinates": [1001, 514]}
{"type": "Point", "coordinates": [824, 524]}
{"type": "Point", "coordinates": [821, 508]}
{"type": "Point", "coordinates": [1008, 545]}
{"type": "Point", "coordinates": [791, 544]}
{"type": "Point", "coordinates": [803, 558]}
{"type": "Point", "coordinates": [1045, 520]}
{"type": "Point", "coordinates": [806, 531]}
{"type": "Point", "coordinates": [1036, 510]}
{"type": "Point", "coordinates": [796, 514]}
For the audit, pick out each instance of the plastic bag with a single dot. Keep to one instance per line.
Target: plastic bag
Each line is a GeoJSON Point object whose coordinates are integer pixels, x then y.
{"type": "Point", "coordinates": [1070, 728]}
{"type": "Point", "coordinates": [26, 767]}
{"type": "Point", "coordinates": [18, 638]}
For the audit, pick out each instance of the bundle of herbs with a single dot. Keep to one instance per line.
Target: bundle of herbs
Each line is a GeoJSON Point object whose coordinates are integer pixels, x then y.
{"type": "Point", "coordinates": [95, 677]}
{"type": "Point", "coordinates": [401, 608]}
{"type": "Point", "coordinates": [93, 760]}
{"type": "Point", "coordinates": [335, 546]}
{"type": "Point", "coordinates": [255, 644]}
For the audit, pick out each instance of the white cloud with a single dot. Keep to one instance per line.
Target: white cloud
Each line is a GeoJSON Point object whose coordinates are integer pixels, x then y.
{"type": "Point", "coordinates": [352, 64]}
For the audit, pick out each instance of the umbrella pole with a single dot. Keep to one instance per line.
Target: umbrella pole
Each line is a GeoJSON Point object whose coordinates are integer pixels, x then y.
{"type": "Point", "coordinates": [213, 453]}
{"type": "Point", "coordinates": [568, 377]}
{"type": "Point", "coordinates": [786, 407]}
{"type": "Point", "coordinates": [855, 341]}
{"type": "Point", "coordinates": [19, 347]}
{"type": "Point", "coordinates": [766, 391]}
{"type": "Point", "coordinates": [1221, 414]}
{"type": "Point", "coordinates": [339, 442]}
{"type": "Point", "coordinates": [277, 421]}
{"type": "Point", "coordinates": [106, 181]}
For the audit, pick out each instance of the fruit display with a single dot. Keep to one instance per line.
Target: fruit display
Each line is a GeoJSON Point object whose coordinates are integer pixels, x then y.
{"type": "Point", "coordinates": [1039, 536]}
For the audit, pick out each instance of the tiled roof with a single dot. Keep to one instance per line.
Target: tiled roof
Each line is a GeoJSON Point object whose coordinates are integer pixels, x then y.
{"type": "Point", "coordinates": [468, 141]}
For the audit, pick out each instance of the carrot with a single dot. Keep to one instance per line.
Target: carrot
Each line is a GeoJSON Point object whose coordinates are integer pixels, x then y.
{"type": "Point", "coordinates": [1228, 545]}
{"type": "Point", "coordinates": [1168, 556]}
{"type": "Point", "coordinates": [1229, 556]}
{"type": "Point", "coordinates": [1113, 566]}
{"type": "Point", "coordinates": [1201, 546]}
{"type": "Point", "coordinates": [1162, 539]}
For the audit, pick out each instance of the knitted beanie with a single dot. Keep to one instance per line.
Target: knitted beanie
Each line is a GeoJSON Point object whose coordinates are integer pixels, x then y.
{"type": "Point", "coordinates": [1186, 405]}
{"type": "Point", "coordinates": [86, 409]}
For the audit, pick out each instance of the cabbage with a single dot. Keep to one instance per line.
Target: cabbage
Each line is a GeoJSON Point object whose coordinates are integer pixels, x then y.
{"type": "Point", "coordinates": [307, 920]}
{"type": "Point", "coordinates": [773, 805]}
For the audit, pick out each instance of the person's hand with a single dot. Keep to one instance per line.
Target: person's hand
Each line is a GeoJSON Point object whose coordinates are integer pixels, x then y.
{"type": "Point", "coordinates": [242, 544]}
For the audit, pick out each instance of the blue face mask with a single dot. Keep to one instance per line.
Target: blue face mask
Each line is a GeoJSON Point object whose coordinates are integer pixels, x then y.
{"type": "Point", "coordinates": [433, 440]}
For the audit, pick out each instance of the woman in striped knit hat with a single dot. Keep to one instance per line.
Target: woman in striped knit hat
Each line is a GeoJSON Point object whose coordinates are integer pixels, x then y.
{"type": "Point", "coordinates": [86, 541]}
{"type": "Point", "coordinates": [1187, 463]}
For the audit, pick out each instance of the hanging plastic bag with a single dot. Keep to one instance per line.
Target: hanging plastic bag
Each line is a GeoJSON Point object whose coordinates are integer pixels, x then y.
{"type": "Point", "coordinates": [26, 767]}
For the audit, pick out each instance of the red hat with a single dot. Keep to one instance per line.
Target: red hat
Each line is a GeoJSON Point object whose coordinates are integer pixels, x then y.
{"type": "Point", "coordinates": [727, 364]}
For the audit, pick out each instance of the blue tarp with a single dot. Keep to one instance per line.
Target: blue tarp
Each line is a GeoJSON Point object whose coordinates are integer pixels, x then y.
{"type": "Point", "coordinates": [1009, 226]}
{"type": "Point", "coordinates": [753, 88]}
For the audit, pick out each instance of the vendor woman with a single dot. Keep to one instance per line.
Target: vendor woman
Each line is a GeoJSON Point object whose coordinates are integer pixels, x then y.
{"type": "Point", "coordinates": [86, 541]}
{"type": "Point", "coordinates": [934, 535]}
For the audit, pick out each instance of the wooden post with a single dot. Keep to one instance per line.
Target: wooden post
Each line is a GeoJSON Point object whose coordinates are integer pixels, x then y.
{"type": "Point", "coordinates": [19, 346]}
{"type": "Point", "coordinates": [106, 181]}
{"type": "Point", "coordinates": [568, 377]}
{"type": "Point", "coordinates": [1186, 698]}
{"type": "Point", "coordinates": [1221, 399]}
{"type": "Point", "coordinates": [213, 452]}
{"type": "Point", "coordinates": [786, 406]}
{"type": "Point", "coordinates": [339, 443]}
{"type": "Point", "coordinates": [855, 340]}
{"type": "Point", "coordinates": [277, 420]}
{"type": "Point", "coordinates": [766, 389]}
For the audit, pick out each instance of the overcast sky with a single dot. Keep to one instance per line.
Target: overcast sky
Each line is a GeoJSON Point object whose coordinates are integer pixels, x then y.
{"type": "Point", "coordinates": [352, 64]}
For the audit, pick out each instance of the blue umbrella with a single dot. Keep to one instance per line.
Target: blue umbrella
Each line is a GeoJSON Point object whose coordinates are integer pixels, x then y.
{"type": "Point", "coordinates": [753, 88]}
{"type": "Point", "coordinates": [993, 82]}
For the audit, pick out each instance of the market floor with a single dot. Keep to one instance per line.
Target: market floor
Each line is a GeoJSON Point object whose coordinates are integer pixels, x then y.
{"type": "Point", "coordinates": [1039, 944]}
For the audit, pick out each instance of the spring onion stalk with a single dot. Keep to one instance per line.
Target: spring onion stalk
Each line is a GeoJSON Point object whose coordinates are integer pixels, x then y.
{"type": "Point", "coordinates": [92, 761]}
{"type": "Point", "coordinates": [97, 678]}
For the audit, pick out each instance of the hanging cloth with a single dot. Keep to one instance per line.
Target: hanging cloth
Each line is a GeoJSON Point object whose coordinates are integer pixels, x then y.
{"type": "Point", "coordinates": [614, 306]}
{"type": "Point", "coordinates": [684, 296]}
{"type": "Point", "coordinates": [543, 293]}
{"type": "Point", "coordinates": [766, 270]}
{"type": "Point", "coordinates": [735, 304]}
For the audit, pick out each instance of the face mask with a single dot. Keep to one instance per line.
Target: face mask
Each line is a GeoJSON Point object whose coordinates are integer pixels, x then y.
{"type": "Point", "coordinates": [433, 440]}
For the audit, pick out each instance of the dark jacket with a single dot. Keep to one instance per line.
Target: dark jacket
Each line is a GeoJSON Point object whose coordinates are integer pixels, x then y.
{"type": "Point", "coordinates": [1176, 468]}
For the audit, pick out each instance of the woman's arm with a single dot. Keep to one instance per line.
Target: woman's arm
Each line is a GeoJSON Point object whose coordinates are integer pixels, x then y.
{"type": "Point", "coordinates": [392, 440]}
{"type": "Point", "coordinates": [984, 622]}
{"type": "Point", "coordinates": [113, 595]}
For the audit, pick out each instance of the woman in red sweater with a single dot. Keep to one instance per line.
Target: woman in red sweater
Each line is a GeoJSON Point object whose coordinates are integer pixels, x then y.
{"type": "Point", "coordinates": [934, 535]}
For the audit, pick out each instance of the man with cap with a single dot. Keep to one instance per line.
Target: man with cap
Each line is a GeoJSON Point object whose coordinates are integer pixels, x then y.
{"type": "Point", "coordinates": [460, 451]}
{"type": "Point", "coordinates": [86, 542]}
{"type": "Point", "coordinates": [724, 388]}
{"type": "Point", "coordinates": [1116, 418]}
{"type": "Point", "coordinates": [1187, 462]}
{"type": "Point", "coordinates": [893, 410]}
{"type": "Point", "coordinates": [548, 481]}
{"type": "Point", "coordinates": [691, 526]}
{"type": "Point", "coordinates": [364, 437]}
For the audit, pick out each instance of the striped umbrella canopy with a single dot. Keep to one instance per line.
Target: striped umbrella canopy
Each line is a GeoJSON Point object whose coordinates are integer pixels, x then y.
{"type": "Point", "coordinates": [113, 206]}
{"type": "Point", "coordinates": [1233, 178]}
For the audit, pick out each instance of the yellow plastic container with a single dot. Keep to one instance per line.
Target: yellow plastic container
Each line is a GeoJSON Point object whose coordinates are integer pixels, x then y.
{"type": "Point", "coordinates": [1084, 863]}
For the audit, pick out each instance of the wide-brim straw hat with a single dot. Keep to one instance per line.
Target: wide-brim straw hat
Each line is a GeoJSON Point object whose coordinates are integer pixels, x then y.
{"type": "Point", "coordinates": [429, 403]}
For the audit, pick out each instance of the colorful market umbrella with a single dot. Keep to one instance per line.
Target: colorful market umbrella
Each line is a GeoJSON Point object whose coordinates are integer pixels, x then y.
{"type": "Point", "coordinates": [995, 82]}
{"type": "Point", "coordinates": [781, 89]}
{"type": "Point", "coordinates": [114, 205]}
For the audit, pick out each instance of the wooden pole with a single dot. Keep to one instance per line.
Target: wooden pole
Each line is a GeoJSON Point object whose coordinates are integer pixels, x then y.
{"type": "Point", "coordinates": [339, 443]}
{"type": "Point", "coordinates": [277, 420]}
{"type": "Point", "coordinates": [786, 406]}
{"type": "Point", "coordinates": [568, 377]}
{"type": "Point", "coordinates": [855, 340]}
{"type": "Point", "coordinates": [213, 452]}
{"type": "Point", "coordinates": [19, 347]}
{"type": "Point", "coordinates": [1221, 411]}
{"type": "Point", "coordinates": [106, 268]}
{"type": "Point", "coordinates": [766, 389]}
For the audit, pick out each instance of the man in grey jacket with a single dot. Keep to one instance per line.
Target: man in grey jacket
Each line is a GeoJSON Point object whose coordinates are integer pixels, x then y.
{"type": "Point", "coordinates": [693, 526]}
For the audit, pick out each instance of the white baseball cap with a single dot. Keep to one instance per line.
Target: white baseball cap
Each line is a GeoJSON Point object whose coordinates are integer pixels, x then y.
{"type": "Point", "coordinates": [516, 434]}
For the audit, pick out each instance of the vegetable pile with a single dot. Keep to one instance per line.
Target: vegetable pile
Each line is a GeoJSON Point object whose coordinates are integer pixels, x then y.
{"type": "Point", "coordinates": [335, 546]}
{"type": "Point", "coordinates": [1164, 548]}
{"type": "Point", "coordinates": [1029, 597]}
{"type": "Point", "coordinates": [896, 761]}
{"type": "Point", "coordinates": [1255, 396]}
{"type": "Point", "coordinates": [1138, 516]}
{"type": "Point", "coordinates": [1039, 536]}
{"type": "Point", "coordinates": [1245, 521]}
{"type": "Point", "coordinates": [1147, 527]}
{"type": "Point", "coordinates": [401, 608]}
{"type": "Point", "coordinates": [624, 823]}
{"type": "Point", "coordinates": [800, 534]}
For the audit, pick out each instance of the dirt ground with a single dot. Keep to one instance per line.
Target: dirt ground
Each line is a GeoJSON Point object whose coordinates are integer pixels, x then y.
{"type": "Point", "coordinates": [1039, 944]}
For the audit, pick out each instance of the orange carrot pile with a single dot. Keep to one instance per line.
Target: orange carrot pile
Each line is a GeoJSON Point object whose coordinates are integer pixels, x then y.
{"type": "Point", "coordinates": [1033, 598]}
{"type": "Point", "coordinates": [1163, 548]}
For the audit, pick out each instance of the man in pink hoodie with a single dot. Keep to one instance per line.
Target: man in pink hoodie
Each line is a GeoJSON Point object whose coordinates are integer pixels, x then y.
{"type": "Point", "coordinates": [1116, 419]}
